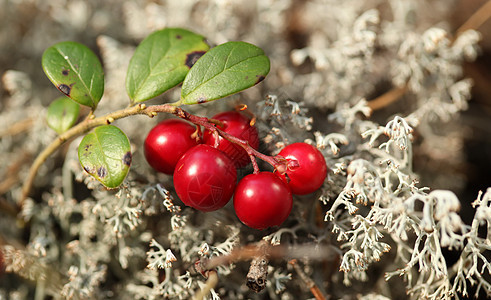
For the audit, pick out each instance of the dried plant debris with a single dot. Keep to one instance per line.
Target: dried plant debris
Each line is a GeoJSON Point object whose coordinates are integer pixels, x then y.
{"type": "Point", "coordinates": [258, 271]}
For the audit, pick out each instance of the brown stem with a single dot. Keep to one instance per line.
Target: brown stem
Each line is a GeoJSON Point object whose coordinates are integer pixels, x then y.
{"type": "Point", "coordinates": [314, 289]}
{"type": "Point", "coordinates": [264, 251]}
{"type": "Point", "coordinates": [211, 282]}
{"type": "Point", "coordinates": [17, 128]}
{"type": "Point", "coordinates": [11, 175]}
{"type": "Point", "coordinates": [478, 18]}
{"type": "Point", "coordinates": [252, 251]}
{"type": "Point", "coordinates": [387, 98]}
{"type": "Point", "coordinates": [84, 127]}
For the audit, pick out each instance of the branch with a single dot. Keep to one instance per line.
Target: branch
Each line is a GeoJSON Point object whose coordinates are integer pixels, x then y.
{"type": "Point", "coordinates": [387, 98]}
{"type": "Point", "coordinates": [11, 175]}
{"type": "Point", "coordinates": [83, 127]}
{"type": "Point", "coordinates": [475, 21]}
{"type": "Point", "coordinates": [314, 252]}
{"type": "Point", "coordinates": [478, 18]}
{"type": "Point", "coordinates": [314, 289]}
{"type": "Point", "coordinates": [211, 282]}
{"type": "Point", "coordinates": [17, 128]}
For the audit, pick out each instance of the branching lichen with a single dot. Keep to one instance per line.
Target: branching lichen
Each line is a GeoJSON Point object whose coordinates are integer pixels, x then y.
{"type": "Point", "coordinates": [78, 240]}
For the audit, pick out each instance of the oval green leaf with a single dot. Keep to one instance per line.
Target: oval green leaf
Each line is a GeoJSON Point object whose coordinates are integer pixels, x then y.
{"type": "Point", "coordinates": [224, 70]}
{"type": "Point", "coordinates": [105, 153]}
{"type": "Point", "coordinates": [76, 71]}
{"type": "Point", "coordinates": [62, 114]}
{"type": "Point", "coordinates": [161, 61]}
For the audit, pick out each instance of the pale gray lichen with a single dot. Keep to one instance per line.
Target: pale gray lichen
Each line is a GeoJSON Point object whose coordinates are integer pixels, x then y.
{"type": "Point", "coordinates": [139, 242]}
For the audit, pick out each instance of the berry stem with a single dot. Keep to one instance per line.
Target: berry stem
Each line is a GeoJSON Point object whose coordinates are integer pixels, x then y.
{"type": "Point", "coordinates": [206, 123]}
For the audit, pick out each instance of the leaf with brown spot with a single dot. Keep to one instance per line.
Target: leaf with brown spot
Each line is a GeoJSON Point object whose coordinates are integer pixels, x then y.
{"type": "Point", "coordinates": [105, 153]}
{"type": "Point", "coordinates": [161, 62]}
{"type": "Point", "coordinates": [224, 70]}
{"type": "Point", "coordinates": [76, 71]}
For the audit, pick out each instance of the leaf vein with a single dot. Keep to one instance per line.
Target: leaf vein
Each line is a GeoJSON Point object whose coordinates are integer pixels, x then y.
{"type": "Point", "coordinates": [63, 55]}
{"type": "Point", "coordinates": [223, 70]}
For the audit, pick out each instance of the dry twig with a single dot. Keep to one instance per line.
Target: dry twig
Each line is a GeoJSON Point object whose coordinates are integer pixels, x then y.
{"type": "Point", "coordinates": [211, 283]}
{"type": "Point", "coordinates": [478, 18]}
{"type": "Point", "coordinates": [17, 128]}
{"type": "Point", "coordinates": [314, 289]}
{"type": "Point", "coordinates": [475, 21]}
{"type": "Point", "coordinates": [387, 98]}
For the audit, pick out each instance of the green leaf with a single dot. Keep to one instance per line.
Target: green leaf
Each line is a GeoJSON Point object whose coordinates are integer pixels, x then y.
{"type": "Point", "coordinates": [76, 71]}
{"type": "Point", "coordinates": [62, 114]}
{"type": "Point", "coordinates": [224, 70]}
{"type": "Point", "coordinates": [161, 61]}
{"type": "Point", "coordinates": [105, 153]}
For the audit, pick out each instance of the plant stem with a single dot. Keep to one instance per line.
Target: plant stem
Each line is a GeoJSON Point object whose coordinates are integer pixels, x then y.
{"type": "Point", "coordinates": [251, 251]}
{"type": "Point", "coordinates": [140, 109]}
{"type": "Point", "coordinates": [11, 175]}
{"type": "Point", "coordinates": [478, 18]}
{"type": "Point", "coordinates": [83, 127]}
{"type": "Point", "coordinates": [475, 21]}
{"type": "Point", "coordinates": [17, 128]}
{"type": "Point", "coordinates": [211, 283]}
{"type": "Point", "coordinates": [210, 125]}
{"type": "Point", "coordinates": [387, 98]}
{"type": "Point", "coordinates": [314, 289]}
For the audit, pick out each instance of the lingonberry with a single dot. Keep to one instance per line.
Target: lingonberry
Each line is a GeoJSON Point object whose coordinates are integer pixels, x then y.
{"type": "Point", "coordinates": [167, 142]}
{"type": "Point", "coordinates": [306, 168]}
{"type": "Point", "coordinates": [238, 125]}
{"type": "Point", "coordinates": [262, 200]}
{"type": "Point", "coordinates": [205, 178]}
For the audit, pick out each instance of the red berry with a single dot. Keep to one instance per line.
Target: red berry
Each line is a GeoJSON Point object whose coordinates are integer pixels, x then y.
{"type": "Point", "coordinates": [167, 142]}
{"type": "Point", "coordinates": [205, 178]}
{"type": "Point", "coordinates": [238, 125]}
{"type": "Point", "coordinates": [262, 200]}
{"type": "Point", "coordinates": [306, 170]}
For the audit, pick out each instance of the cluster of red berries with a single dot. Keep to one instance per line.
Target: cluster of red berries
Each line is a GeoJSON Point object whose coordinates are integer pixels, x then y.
{"type": "Point", "coordinates": [205, 176]}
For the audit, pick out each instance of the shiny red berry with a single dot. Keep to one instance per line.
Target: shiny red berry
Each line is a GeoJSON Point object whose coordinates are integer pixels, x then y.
{"type": "Point", "coordinates": [306, 169]}
{"type": "Point", "coordinates": [205, 178]}
{"type": "Point", "coordinates": [167, 142]}
{"type": "Point", "coordinates": [238, 125]}
{"type": "Point", "coordinates": [262, 200]}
